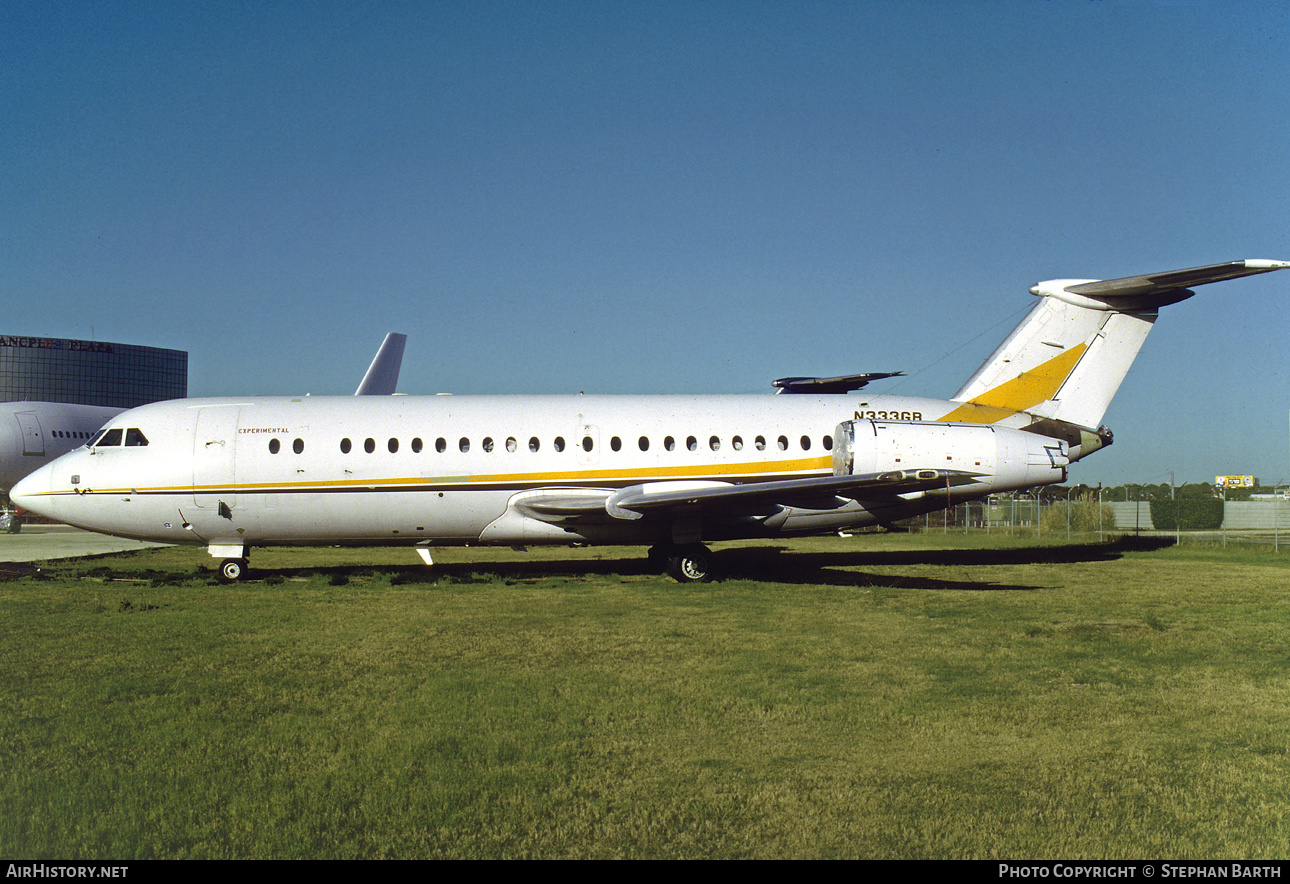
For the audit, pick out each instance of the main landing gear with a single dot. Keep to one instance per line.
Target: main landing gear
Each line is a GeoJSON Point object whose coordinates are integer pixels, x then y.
{"type": "Point", "coordinates": [686, 563]}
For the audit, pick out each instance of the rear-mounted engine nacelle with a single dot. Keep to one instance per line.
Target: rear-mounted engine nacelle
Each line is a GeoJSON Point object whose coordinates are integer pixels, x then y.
{"type": "Point", "coordinates": [1004, 458]}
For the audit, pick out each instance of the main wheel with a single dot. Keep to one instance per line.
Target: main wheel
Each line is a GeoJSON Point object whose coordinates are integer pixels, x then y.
{"type": "Point", "coordinates": [689, 564]}
{"type": "Point", "coordinates": [233, 570]}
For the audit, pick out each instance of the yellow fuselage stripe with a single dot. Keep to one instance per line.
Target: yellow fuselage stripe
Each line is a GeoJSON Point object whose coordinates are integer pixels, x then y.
{"type": "Point", "coordinates": [757, 468]}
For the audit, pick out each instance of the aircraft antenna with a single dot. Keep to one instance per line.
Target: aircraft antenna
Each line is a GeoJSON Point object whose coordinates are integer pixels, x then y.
{"type": "Point", "coordinates": [1011, 317]}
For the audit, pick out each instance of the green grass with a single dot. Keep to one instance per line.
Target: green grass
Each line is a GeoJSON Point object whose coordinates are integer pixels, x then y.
{"type": "Point", "coordinates": [878, 696]}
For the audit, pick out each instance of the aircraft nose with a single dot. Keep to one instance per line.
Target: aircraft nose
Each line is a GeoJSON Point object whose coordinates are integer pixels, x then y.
{"type": "Point", "coordinates": [31, 493]}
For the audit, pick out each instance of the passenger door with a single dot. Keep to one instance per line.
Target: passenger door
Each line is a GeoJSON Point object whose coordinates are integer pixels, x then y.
{"type": "Point", "coordinates": [214, 461]}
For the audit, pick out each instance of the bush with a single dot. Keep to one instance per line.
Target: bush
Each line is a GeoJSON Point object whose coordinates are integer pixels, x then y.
{"type": "Point", "coordinates": [1170, 515]}
{"type": "Point", "coordinates": [1083, 516]}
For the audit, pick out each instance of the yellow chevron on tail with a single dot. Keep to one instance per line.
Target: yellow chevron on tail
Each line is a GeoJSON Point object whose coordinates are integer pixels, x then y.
{"type": "Point", "coordinates": [1021, 393]}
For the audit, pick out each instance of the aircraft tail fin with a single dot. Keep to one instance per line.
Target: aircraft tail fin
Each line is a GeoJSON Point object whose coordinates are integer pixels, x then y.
{"type": "Point", "coordinates": [1067, 357]}
{"type": "Point", "coordinates": [383, 374]}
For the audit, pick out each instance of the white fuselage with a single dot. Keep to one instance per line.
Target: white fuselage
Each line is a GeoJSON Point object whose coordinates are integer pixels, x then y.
{"type": "Point", "coordinates": [458, 469]}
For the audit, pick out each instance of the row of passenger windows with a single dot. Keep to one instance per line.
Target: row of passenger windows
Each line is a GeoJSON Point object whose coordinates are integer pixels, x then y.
{"type": "Point", "coordinates": [588, 444]}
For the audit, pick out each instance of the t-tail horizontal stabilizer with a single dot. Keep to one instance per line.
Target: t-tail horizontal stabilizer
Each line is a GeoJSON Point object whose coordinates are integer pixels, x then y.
{"type": "Point", "coordinates": [1066, 359]}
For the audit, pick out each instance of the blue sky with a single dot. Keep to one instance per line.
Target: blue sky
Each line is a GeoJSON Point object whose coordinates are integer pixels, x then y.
{"type": "Point", "coordinates": [656, 197]}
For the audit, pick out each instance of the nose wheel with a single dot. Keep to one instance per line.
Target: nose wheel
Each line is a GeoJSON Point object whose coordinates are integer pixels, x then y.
{"type": "Point", "coordinates": [233, 570]}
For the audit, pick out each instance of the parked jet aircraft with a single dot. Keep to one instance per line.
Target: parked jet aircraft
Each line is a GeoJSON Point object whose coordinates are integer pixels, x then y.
{"type": "Point", "coordinates": [33, 434]}
{"type": "Point", "coordinates": [673, 471]}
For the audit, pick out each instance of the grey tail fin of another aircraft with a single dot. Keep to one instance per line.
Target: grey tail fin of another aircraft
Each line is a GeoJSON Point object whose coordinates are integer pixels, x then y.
{"type": "Point", "coordinates": [1067, 357]}
{"type": "Point", "coordinates": [383, 374]}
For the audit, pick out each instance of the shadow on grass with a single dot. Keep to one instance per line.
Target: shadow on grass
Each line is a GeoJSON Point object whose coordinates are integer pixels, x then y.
{"type": "Point", "coordinates": [1032, 555]}
{"type": "Point", "coordinates": [773, 564]}
{"type": "Point", "coordinates": [780, 564]}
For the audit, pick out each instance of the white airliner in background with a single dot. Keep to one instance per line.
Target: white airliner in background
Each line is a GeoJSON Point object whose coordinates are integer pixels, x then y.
{"type": "Point", "coordinates": [671, 471]}
{"type": "Point", "coordinates": [33, 434]}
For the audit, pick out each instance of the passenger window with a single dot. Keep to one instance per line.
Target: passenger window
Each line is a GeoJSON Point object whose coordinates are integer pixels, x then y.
{"type": "Point", "coordinates": [616, 444]}
{"type": "Point", "coordinates": [134, 439]}
{"type": "Point", "coordinates": [393, 445]}
{"type": "Point", "coordinates": [692, 443]}
{"type": "Point", "coordinates": [511, 444]}
{"type": "Point", "coordinates": [669, 443]}
{"type": "Point", "coordinates": [559, 443]}
{"type": "Point", "coordinates": [783, 443]}
{"type": "Point", "coordinates": [806, 443]}
{"type": "Point", "coordinates": [488, 443]}
{"type": "Point", "coordinates": [298, 446]}
{"type": "Point", "coordinates": [345, 446]}
{"type": "Point", "coordinates": [828, 443]}
{"type": "Point", "coordinates": [534, 444]}
{"type": "Point", "coordinates": [369, 445]}
{"type": "Point", "coordinates": [737, 443]}
{"type": "Point", "coordinates": [274, 446]}
{"type": "Point", "coordinates": [587, 443]}
{"type": "Point", "coordinates": [463, 444]}
{"type": "Point", "coordinates": [441, 445]}
{"type": "Point", "coordinates": [416, 444]}
{"type": "Point", "coordinates": [714, 443]}
{"type": "Point", "coordinates": [760, 443]}
{"type": "Point", "coordinates": [643, 442]}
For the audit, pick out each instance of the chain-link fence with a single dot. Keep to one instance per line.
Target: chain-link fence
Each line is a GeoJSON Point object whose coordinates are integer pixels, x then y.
{"type": "Point", "coordinates": [1257, 522]}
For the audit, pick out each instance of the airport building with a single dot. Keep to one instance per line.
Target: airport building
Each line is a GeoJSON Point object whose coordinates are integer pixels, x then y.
{"type": "Point", "coordinates": [89, 372]}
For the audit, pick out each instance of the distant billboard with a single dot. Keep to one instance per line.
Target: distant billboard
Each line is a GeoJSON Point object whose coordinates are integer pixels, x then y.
{"type": "Point", "coordinates": [1235, 481]}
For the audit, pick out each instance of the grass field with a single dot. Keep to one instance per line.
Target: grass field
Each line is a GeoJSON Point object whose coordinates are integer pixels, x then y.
{"type": "Point", "coordinates": [875, 696]}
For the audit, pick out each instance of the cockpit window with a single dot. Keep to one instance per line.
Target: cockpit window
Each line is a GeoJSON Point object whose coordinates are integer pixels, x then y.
{"type": "Point", "coordinates": [135, 438]}
{"type": "Point", "coordinates": [107, 438]}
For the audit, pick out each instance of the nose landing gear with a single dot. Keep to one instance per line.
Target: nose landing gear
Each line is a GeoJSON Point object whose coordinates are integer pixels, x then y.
{"type": "Point", "coordinates": [235, 556]}
{"type": "Point", "coordinates": [233, 570]}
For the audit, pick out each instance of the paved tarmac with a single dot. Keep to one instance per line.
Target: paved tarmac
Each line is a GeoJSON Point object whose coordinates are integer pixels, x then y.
{"type": "Point", "coordinates": [40, 542]}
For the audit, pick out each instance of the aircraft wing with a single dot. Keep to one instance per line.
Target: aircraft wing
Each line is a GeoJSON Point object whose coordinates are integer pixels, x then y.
{"type": "Point", "coordinates": [636, 501]}
{"type": "Point", "coordinates": [655, 498]}
{"type": "Point", "coordinates": [383, 374]}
